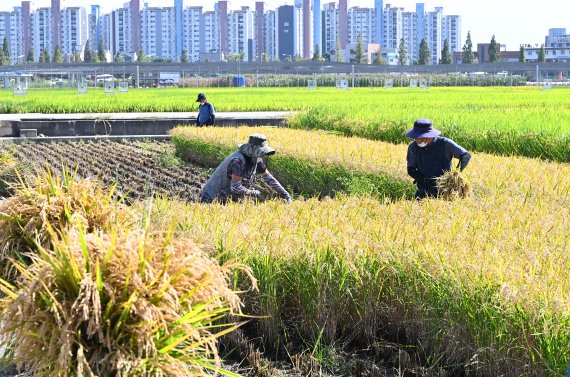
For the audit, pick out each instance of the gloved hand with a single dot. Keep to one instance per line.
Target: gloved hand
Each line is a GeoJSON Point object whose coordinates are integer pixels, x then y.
{"type": "Point", "coordinates": [430, 182]}
{"type": "Point", "coordinates": [256, 194]}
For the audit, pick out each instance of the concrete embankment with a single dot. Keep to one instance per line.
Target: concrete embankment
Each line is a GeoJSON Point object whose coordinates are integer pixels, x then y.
{"type": "Point", "coordinates": [115, 124]}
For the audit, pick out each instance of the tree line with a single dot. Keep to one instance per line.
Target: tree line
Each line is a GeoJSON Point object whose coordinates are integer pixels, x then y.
{"type": "Point", "coordinates": [359, 53]}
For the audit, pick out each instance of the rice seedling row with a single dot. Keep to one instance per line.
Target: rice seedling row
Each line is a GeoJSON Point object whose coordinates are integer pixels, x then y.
{"type": "Point", "coordinates": [139, 169]}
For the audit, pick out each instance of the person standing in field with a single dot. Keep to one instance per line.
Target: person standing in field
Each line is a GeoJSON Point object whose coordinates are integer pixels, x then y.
{"type": "Point", "coordinates": [233, 178]}
{"type": "Point", "coordinates": [429, 157]}
{"type": "Point", "coordinates": [206, 112]}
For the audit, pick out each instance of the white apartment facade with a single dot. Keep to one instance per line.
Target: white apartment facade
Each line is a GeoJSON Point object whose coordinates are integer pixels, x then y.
{"type": "Point", "coordinates": [409, 33]}
{"type": "Point", "coordinates": [74, 31]}
{"type": "Point", "coordinates": [361, 21]}
{"type": "Point", "coordinates": [121, 32]}
{"type": "Point", "coordinates": [11, 30]}
{"type": "Point", "coordinates": [211, 32]}
{"type": "Point", "coordinates": [433, 28]}
{"type": "Point", "coordinates": [393, 28]}
{"type": "Point", "coordinates": [193, 40]}
{"type": "Point", "coordinates": [330, 34]}
{"type": "Point", "coordinates": [41, 32]}
{"type": "Point", "coordinates": [271, 35]}
{"type": "Point", "coordinates": [158, 32]}
{"type": "Point", "coordinates": [241, 36]}
{"type": "Point", "coordinates": [452, 32]}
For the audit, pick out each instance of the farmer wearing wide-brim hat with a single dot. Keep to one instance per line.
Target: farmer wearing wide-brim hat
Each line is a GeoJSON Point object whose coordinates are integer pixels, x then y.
{"type": "Point", "coordinates": [233, 178]}
{"type": "Point", "coordinates": [430, 155]}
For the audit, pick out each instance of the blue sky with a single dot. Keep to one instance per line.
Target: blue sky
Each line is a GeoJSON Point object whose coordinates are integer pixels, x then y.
{"type": "Point", "coordinates": [513, 22]}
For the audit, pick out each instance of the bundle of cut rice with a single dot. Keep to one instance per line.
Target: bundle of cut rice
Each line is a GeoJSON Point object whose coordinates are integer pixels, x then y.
{"type": "Point", "coordinates": [453, 185]}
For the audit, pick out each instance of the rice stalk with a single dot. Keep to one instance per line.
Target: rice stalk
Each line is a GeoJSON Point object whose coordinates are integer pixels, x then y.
{"type": "Point", "coordinates": [453, 185]}
{"type": "Point", "coordinates": [60, 201]}
{"type": "Point", "coordinates": [120, 305]}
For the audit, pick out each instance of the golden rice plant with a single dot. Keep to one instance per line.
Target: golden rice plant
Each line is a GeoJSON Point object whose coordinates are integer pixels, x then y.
{"type": "Point", "coordinates": [58, 200]}
{"type": "Point", "coordinates": [8, 165]}
{"type": "Point", "coordinates": [489, 175]}
{"type": "Point", "coordinates": [453, 185]}
{"type": "Point", "coordinates": [118, 305]}
{"type": "Point", "coordinates": [513, 250]}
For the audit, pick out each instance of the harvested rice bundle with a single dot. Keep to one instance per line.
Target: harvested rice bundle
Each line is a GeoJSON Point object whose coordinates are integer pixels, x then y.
{"type": "Point", "coordinates": [118, 305]}
{"type": "Point", "coordinates": [453, 185]}
{"type": "Point", "coordinates": [60, 201]}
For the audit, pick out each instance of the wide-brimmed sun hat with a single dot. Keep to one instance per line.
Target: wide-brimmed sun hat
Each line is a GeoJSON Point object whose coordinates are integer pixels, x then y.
{"type": "Point", "coordinates": [256, 147]}
{"type": "Point", "coordinates": [422, 128]}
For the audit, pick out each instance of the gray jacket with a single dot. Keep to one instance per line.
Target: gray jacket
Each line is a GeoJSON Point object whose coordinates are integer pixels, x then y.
{"type": "Point", "coordinates": [220, 182]}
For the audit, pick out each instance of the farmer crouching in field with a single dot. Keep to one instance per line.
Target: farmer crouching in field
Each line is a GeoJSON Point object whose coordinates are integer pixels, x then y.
{"type": "Point", "coordinates": [430, 155]}
{"type": "Point", "coordinates": [206, 112]}
{"type": "Point", "coordinates": [233, 178]}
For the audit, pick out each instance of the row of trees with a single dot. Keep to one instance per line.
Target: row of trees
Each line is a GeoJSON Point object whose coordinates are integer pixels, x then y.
{"type": "Point", "coordinates": [424, 57]}
{"type": "Point", "coordinates": [359, 53]}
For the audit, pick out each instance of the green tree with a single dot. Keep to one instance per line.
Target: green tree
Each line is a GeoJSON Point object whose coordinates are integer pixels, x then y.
{"type": "Point", "coordinates": [425, 54]}
{"type": "Point", "coordinates": [379, 59]}
{"type": "Point", "coordinates": [359, 51]}
{"type": "Point", "coordinates": [3, 59]}
{"type": "Point", "coordinates": [468, 56]}
{"type": "Point", "coordinates": [184, 56]}
{"type": "Point", "coordinates": [119, 58]}
{"type": "Point", "coordinates": [88, 53]}
{"type": "Point", "coordinates": [31, 56]}
{"type": "Point", "coordinates": [101, 51]}
{"type": "Point", "coordinates": [339, 58]}
{"type": "Point", "coordinates": [141, 57]}
{"type": "Point", "coordinates": [541, 54]}
{"type": "Point", "coordinates": [494, 51]}
{"type": "Point", "coordinates": [402, 53]}
{"type": "Point", "coordinates": [44, 56]}
{"type": "Point", "coordinates": [57, 55]}
{"type": "Point", "coordinates": [6, 48]}
{"type": "Point", "coordinates": [317, 54]}
{"type": "Point", "coordinates": [77, 57]}
{"type": "Point", "coordinates": [264, 57]}
{"type": "Point", "coordinates": [522, 54]}
{"type": "Point", "coordinates": [242, 56]}
{"type": "Point", "coordinates": [445, 53]}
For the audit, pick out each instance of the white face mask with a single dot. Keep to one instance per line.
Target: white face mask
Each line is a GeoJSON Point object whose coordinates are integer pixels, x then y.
{"type": "Point", "coordinates": [422, 145]}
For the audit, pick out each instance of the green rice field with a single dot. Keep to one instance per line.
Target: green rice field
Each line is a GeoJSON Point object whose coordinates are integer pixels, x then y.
{"type": "Point", "coordinates": [504, 120]}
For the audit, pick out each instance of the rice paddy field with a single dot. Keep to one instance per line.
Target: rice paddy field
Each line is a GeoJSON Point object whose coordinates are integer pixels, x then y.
{"type": "Point", "coordinates": [507, 120]}
{"type": "Point", "coordinates": [354, 267]}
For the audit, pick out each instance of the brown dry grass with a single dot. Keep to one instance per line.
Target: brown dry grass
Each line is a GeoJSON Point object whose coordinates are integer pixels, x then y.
{"type": "Point", "coordinates": [118, 305]}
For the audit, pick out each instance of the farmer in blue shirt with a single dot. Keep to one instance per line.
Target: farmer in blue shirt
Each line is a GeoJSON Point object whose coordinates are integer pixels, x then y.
{"type": "Point", "coordinates": [430, 155]}
{"type": "Point", "coordinates": [233, 178]}
{"type": "Point", "coordinates": [206, 112]}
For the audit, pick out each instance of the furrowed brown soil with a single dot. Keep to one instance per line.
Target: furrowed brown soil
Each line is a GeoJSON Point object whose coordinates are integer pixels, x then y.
{"type": "Point", "coordinates": [139, 168]}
